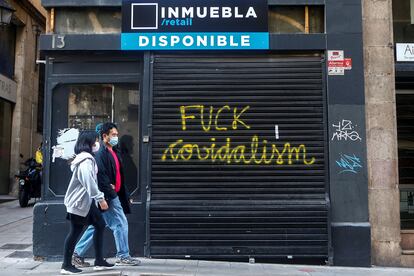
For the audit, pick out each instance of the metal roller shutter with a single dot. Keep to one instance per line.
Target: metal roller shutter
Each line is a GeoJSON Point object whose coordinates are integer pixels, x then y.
{"type": "Point", "coordinates": [238, 158]}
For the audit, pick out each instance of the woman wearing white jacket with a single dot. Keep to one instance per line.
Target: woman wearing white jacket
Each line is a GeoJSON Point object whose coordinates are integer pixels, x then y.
{"type": "Point", "coordinates": [81, 201]}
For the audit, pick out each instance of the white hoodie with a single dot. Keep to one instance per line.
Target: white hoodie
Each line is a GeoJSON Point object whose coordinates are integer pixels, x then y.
{"type": "Point", "coordinates": [83, 186]}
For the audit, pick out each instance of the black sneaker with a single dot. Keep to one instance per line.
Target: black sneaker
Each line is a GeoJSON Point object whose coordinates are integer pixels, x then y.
{"type": "Point", "coordinates": [79, 261]}
{"type": "Point", "coordinates": [102, 265]}
{"type": "Point", "coordinates": [70, 270]}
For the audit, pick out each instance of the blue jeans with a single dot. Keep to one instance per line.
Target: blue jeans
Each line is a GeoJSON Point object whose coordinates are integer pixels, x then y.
{"type": "Point", "coordinates": [116, 220]}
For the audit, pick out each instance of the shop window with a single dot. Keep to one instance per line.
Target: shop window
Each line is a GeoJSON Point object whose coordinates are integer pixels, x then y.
{"type": "Point", "coordinates": [89, 106]}
{"type": "Point", "coordinates": [83, 107]}
{"type": "Point", "coordinates": [88, 20]}
{"type": "Point", "coordinates": [405, 116]}
{"type": "Point", "coordinates": [7, 50]}
{"type": "Point", "coordinates": [282, 19]}
{"type": "Point", "coordinates": [403, 20]}
{"type": "Point", "coordinates": [296, 19]}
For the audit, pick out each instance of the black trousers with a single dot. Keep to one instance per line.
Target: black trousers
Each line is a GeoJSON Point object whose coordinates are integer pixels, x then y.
{"type": "Point", "coordinates": [77, 225]}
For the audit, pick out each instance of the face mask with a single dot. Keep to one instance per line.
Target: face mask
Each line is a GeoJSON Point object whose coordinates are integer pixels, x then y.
{"type": "Point", "coordinates": [114, 141]}
{"type": "Point", "coordinates": [95, 148]}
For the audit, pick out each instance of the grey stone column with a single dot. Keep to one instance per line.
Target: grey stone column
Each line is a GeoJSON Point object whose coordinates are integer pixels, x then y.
{"type": "Point", "coordinates": [384, 202]}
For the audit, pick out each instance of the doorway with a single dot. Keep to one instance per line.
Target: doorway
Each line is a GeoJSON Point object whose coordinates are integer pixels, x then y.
{"type": "Point", "coordinates": [6, 112]}
{"type": "Point", "coordinates": [82, 107]}
{"type": "Point", "coordinates": [405, 128]}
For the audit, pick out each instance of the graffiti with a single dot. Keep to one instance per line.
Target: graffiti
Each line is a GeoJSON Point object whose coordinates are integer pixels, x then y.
{"type": "Point", "coordinates": [66, 141]}
{"type": "Point", "coordinates": [257, 153]}
{"type": "Point", "coordinates": [201, 110]}
{"type": "Point", "coordinates": [349, 163]}
{"type": "Point", "coordinates": [345, 131]}
{"type": "Point", "coordinates": [226, 150]}
{"type": "Point", "coordinates": [277, 132]}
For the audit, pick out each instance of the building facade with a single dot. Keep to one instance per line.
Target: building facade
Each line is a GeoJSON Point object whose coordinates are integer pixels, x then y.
{"type": "Point", "coordinates": [19, 86]}
{"type": "Point", "coordinates": [230, 153]}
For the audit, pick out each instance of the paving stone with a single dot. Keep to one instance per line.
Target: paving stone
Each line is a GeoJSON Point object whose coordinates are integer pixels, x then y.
{"type": "Point", "coordinates": [15, 246]}
{"type": "Point", "coordinates": [20, 255]}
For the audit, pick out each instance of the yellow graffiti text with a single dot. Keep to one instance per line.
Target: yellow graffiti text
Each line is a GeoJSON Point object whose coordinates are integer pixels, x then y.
{"type": "Point", "coordinates": [208, 116]}
{"type": "Point", "coordinates": [257, 153]}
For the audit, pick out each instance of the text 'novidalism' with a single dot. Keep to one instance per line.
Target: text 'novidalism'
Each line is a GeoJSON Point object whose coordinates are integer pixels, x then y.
{"type": "Point", "coordinates": [257, 152]}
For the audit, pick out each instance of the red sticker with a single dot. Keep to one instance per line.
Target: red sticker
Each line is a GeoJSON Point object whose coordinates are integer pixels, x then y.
{"type": "Point", "coordinates": [348, 63]}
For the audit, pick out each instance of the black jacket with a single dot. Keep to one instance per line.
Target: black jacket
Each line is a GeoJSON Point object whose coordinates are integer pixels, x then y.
{"type": "Point", "coordinates": [107, 176]}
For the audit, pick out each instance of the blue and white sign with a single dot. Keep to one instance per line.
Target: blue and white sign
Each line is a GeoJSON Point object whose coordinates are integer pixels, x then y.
{"type": "Point", "coordinates": [195, 25]}
{"type": "Point", "coordinates": [195, 41]}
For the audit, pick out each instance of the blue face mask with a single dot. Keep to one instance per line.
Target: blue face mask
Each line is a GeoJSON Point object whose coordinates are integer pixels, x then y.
{"type": "Point", "coordinates": [114, 141]}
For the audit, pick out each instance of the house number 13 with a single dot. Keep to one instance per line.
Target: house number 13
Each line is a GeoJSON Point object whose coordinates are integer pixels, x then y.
{"type": "Point", "coordinates": [58, 41]}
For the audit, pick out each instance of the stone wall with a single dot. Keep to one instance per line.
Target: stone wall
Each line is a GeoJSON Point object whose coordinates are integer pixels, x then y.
{"type": "Point", "coordinates": [381, 132]}
{"type": "Point", "coordinates": [25, 138]}
{"type": "Point", "coordinates": [38, 5]}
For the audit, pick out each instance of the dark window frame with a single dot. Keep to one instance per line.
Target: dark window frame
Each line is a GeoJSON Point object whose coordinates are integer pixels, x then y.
{"type": "Point", "coordinates": [8, 50]}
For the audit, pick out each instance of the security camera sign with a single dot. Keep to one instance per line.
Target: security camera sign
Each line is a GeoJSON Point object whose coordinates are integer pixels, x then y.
{"type": "Point", "coordinates": [336, 63]}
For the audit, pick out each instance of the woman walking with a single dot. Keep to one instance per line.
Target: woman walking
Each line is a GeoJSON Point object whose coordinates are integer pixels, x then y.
{"type": "Point", "coordinates": [81, 201]}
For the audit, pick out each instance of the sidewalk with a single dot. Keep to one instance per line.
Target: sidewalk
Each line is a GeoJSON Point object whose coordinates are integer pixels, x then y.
{"type": "Point", "coordinates": [152, 267]}
{"type": "Point", "coordinates": [16, 258]}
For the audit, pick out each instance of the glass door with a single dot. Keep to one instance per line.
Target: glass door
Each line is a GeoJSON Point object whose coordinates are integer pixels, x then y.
{"type": "Point", "coordinates": [79, 107]}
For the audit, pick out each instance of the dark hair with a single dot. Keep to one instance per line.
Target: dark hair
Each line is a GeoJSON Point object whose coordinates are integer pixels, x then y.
{"type": "Point", "coordinates": [106, 128]}
{"type": "Point", "coordinates": [126, 144]}
{"type": "Point", "coordinates": [86, 140]}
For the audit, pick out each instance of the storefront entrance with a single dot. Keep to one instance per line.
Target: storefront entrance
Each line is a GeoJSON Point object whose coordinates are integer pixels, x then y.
{"type": "Point", "coordinates": [6, 112]}
{"type": "Point", "coordinates": [239, 166]}
{"type": "Point", "coordinates": [251, 128]}
{"type": "Point", "coordinates": [82, 92]}
{"type": "Point", "coordinates": [405, 113]}
{"type": "Point", "coordinates": [225, 155]}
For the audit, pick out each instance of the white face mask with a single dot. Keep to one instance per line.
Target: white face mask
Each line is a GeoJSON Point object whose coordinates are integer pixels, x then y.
{"type": "Point", "coordinates": [95, 148]}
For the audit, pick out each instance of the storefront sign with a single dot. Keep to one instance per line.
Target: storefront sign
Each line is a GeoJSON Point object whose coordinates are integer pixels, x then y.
{"type": "Point", "coordinates": [195, 25]}
{"type": "Point", "coordinates": [8, 89]}
{"type": "Point", "coordinates": [405, 52]}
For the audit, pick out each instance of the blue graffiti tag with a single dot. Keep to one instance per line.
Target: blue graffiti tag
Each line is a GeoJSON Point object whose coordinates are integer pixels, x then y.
{"type": "Point", "coordinates": [349, 163]}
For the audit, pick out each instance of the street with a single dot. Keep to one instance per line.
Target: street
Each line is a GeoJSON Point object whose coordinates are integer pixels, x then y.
{"type": "Point", "coordinates": [16, 258]}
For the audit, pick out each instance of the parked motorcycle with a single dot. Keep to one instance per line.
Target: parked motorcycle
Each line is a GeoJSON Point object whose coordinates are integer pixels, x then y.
{"type": "Point", "coordinates": [30, 182]}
